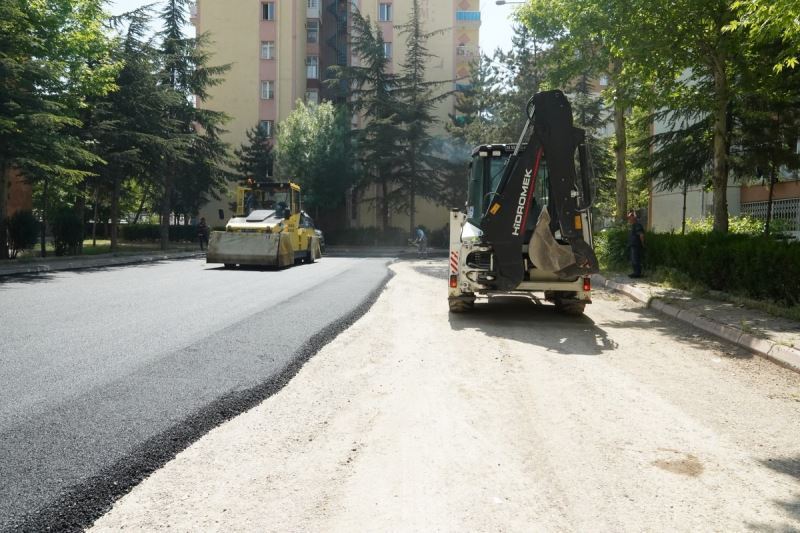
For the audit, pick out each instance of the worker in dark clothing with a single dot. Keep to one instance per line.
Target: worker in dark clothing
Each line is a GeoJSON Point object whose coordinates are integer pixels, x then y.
{"type": "Point", "coordinates": [636, 244]}
{"type": "Point", "coordinates": [202, 233]}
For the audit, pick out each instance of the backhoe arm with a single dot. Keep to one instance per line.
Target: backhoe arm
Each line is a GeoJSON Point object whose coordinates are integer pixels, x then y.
{"type": "Point", "coordinates": [506, 221]}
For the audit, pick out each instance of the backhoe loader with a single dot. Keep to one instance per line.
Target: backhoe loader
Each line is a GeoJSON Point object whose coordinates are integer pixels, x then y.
{"type": "Point", "coordinates": [527, 226]}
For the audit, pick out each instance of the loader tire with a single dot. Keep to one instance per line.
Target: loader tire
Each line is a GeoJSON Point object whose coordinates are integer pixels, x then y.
{"type": "Point", "coordinates": [570, 307]}
{"type": "Point", "coordinates": [459, 305]}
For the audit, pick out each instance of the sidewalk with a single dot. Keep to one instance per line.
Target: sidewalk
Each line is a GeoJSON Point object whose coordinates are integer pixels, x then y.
{"type": "Point", "coordinates": [81, 262]}
{"type": "Point", "coordinates": [773, 337]}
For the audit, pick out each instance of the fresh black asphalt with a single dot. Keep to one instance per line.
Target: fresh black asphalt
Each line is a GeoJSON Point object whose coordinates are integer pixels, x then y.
{"type": "Point", "coordinates": [107, 374]}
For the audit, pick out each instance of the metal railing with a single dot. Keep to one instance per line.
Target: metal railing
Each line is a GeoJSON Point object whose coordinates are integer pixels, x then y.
{"type": "Point", "coordinates": [786, 211]}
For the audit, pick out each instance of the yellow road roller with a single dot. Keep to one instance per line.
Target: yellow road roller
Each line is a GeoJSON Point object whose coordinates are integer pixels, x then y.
{"type": "Point", "coordinates": [269, 229]}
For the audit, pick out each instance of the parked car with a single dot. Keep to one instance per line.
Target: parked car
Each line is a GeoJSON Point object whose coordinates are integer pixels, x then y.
{"type": "Point", "coordinates": [321, 240]}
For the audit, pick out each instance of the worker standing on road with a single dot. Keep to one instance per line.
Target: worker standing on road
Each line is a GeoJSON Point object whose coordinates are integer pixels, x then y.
{"type": "Point", "coordinates": [636, 244]}
{"type": "Point", "coordinates": [202, 233]}
{"type": "Point", "coordinates": [421, 241]}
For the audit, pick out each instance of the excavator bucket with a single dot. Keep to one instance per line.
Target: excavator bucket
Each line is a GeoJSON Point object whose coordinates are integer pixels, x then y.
{"type": "Point", "coordinates": [261, 249]}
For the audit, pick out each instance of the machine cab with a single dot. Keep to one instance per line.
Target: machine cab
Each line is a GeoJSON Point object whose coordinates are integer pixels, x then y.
{"type": "Point", "coordinates": [486, 169]}
{"type": "Point", "coordinates": [281, 197]}
{"type": "Point", "coordinates": [485, 173]}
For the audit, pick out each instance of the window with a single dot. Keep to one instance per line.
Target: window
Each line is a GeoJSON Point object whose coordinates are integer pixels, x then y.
{"type": "Point", "coordinates": [267, 49]}
{"type": "Point", "coordinates": [385, 12]}
{"type": "Point", "coordinates": [268, 11]}
{"type": "Point", "coordinates": [267, 90]}
{"type": "Point", "coordinates": [313, 4]}
{"type": "Point", "coordinates": [312, 97]}
{"type": "Point", "coordinates": [387, 50]}
{"type": "Point", "coordinates": [312, 67]}
{"type": "Point", "coordinates": [312, 31]}
{"type": "Point", "coordinates": [266, 127]}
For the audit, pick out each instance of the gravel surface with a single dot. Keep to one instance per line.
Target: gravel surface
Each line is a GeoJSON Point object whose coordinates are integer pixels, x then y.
{"type": "Point", "coordinates": [108, 374]}
{"type": "Point", "coordinates": [511, 418]}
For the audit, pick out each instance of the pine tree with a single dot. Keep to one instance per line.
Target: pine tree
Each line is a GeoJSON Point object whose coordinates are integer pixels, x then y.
{"type": "Point", "coordinates": [373, 92]}
{"type": "Point", "coordinates": [419, 98]}
{"type": "Point", "coordinates": [254, 158]}
{"type": "Point", "coordinates": [53, 59]}
{"type": "Point", "coordinates": [187, 73]}
{"type": "Point", "coordinates": [473, 121]}
{"type": "Point", "coordinates": [520, 73]}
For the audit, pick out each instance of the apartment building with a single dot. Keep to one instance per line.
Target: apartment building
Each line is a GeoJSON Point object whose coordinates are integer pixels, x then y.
{"type": "Point", "coordinates": [280, 50]}
{"type": "Point", "coordinates": [667, 208]}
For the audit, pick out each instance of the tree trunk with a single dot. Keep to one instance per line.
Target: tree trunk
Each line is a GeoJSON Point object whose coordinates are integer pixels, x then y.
{"type": "Point", "coordinates": [412, 193]}
{"type": "Point", "coordinates": [3, 211]}
{"type": "Point", "coordinates": [621, 150]}
{"type": "Point", "coordinates": [115, 212]}
{"type": "Point", "coordinates": [141, 206]}
{"type": "Point", "coordinates": [769, 201]}
{"type": "Point", "coordinates": [683, 216]}
{"type": "Point", "coordinates": [94, 217]}
{"type": "Point", "coordinates": [44, 217]}
{"type": "Point", "coordinates": [384, 205]}
{"type": "Point", "coordinates": [720, 177]}
{"type": "Point", "coordinates": [80, 209]}
{"type": "Point", "coordinates": [165, 211]}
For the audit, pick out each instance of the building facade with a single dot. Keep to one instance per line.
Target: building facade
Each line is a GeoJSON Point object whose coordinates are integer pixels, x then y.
{"type": "Point", "coordinates": [280, 50]}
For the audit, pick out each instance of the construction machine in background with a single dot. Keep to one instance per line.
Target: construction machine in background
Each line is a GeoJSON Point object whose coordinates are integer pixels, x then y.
{"type": "Point", "coordinates": [527, 226]}
{"type": "Point", "coordinates": [269, 229]}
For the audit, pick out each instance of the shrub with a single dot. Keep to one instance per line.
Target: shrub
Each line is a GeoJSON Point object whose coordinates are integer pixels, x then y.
{"type": "Point", "coordinates": [67, 229]}
{"type": "Point", "coordinates": [23, 232]}
{"type": "Point", "coordinates": [740, 225]}
{"type": "Point", "coordinates": [152, 232]}
{"type": "Point", "coordinates": [611, 247]}
{"type": "Point", "coordinates": [756, 266]}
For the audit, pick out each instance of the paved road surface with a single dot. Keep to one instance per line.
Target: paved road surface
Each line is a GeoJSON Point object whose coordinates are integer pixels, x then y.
{"type": "Point", "coordinates": [104, 372]}
{"type": "Point", "coordinates": [512, 418]}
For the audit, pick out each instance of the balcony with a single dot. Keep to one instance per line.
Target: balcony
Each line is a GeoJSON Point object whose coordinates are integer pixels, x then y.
{"type": "Point", "coordinates": [468, 16]}
{"type": "Point", "coordinates": [312, 9]}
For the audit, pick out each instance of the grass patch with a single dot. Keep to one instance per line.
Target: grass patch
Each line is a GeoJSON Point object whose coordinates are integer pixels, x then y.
{"type": "Point", "coordinates": [674, 279]}
{"type": "Point", "coordinates": [103, 246]}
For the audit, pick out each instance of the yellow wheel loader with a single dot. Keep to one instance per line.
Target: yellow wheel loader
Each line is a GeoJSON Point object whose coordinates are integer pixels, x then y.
{"type": "Point", "coordinates": [269, 229]}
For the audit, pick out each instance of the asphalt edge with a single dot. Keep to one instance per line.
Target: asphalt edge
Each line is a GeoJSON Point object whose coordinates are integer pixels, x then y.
{"type": "Point", "coordinates": [785, 356]}
{"type": "Point", "coordinates": [78, 509]}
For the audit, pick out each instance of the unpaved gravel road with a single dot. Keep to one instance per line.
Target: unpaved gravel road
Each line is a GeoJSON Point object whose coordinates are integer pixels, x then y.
{"type": "Point", "coordinates": [512, 418]}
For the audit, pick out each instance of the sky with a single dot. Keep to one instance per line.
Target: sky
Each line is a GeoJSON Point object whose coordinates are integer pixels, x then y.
{"type": "Point", "coordinates": [495, 23]}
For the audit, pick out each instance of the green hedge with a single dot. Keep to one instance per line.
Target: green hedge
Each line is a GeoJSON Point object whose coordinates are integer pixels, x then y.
{"type": "Point", "coordinates": [152, 232]}
{"type": "Point", "coordinates": [759, 267]}
{"type": "Point", "coordinates": [23, 232]}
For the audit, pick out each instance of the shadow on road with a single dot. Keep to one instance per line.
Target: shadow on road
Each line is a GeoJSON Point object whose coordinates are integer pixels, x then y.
{"type": "Point", "coordinates": [521, 320]}
{"type": "Point", "coordinates": [789, 466]}
{"type": "Point", "coordinates": [651, 320]}
{"type": "Point", "coordinates": [434, 269]}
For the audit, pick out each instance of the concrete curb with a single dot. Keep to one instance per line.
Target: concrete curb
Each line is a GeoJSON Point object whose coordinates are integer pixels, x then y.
{"type": "Point", "coordinates": [87, 263]}
{"type": "Point", "coordinates": [785, 356]}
